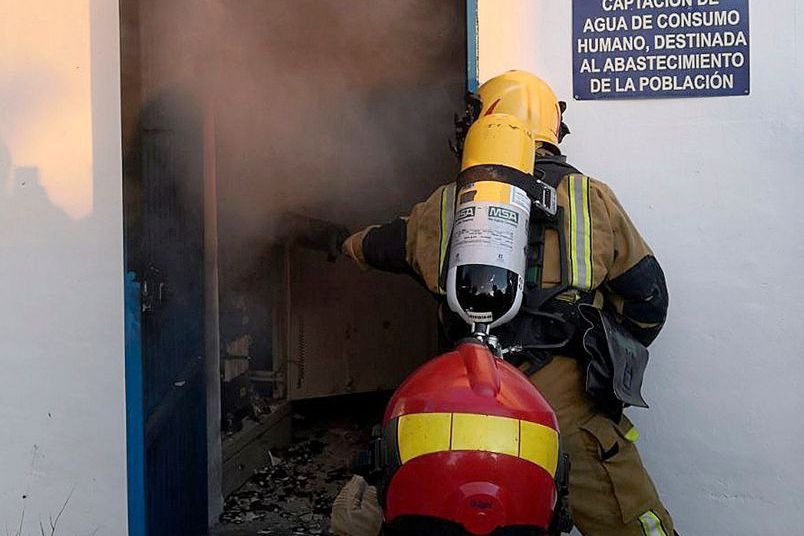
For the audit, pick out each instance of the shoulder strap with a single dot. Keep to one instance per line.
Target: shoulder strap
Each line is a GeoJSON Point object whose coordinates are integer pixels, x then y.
{"type": "Point", "coordinates": [554, 168]}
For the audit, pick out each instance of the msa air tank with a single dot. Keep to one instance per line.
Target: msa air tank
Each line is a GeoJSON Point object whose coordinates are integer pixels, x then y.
{"type": "Point", "coordinates": [489, 243]}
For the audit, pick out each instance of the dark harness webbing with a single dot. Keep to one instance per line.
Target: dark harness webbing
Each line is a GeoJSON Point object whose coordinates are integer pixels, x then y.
{"type": "Point", "coordinates": [546, 325]}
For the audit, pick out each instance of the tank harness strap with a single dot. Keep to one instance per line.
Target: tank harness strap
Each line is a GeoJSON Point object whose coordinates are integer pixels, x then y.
{"type": "Point", "coordinates": [555, 322]}
{"type": "Point", "coordinates": [540, 192]}
{"type": "Point", "coordinates": [552, 171]}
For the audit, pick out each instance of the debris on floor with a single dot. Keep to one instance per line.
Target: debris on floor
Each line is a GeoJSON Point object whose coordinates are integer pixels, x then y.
{"type": "Point", "coordinates": [293, 495]}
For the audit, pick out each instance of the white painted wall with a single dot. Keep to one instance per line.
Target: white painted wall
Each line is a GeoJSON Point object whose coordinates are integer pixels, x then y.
{"type": "Point", "coordinates": [716, 187]}
{"type": "Point", "coordinates": [62, 413]}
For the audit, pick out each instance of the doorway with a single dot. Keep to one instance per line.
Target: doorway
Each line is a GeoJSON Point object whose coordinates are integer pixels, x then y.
{"type": "Point", "coordinates": [337, 110]}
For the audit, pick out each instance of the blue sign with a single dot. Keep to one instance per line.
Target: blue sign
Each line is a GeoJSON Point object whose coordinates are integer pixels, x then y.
{"type": "Point", "coordinates": [626, 49]}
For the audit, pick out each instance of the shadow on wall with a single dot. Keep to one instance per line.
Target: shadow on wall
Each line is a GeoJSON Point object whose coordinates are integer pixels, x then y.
{"type": "Point", "coordinates": [42, 263]}
{"type": "Point", "coordinates": [28, 218]}
{"type": "Point", "coordinates": [60, 278]}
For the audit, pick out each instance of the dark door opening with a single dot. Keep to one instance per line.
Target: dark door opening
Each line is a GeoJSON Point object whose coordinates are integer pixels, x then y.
{"type": "Point", "coordinates": [339, 110]}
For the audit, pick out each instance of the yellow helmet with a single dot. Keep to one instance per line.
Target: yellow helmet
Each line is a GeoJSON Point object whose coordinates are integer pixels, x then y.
{"type": "Point", "coordinates": [528, 98]}
{"type": "Point", "coordinates": [499, 139]}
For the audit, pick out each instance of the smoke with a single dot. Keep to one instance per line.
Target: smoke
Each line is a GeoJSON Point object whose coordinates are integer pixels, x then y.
{"type": "Point", "coordinates": [338, 109]}
{"type": "Point", "coordinates": [335, 109]}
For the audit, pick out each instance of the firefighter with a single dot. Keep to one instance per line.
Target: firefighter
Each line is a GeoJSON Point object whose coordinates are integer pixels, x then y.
{"type": "Point", "coordinates": [593, 260]}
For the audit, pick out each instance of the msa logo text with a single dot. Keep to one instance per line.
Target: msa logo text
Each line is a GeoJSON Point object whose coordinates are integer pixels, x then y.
{"type": "Point", "coordinates": [467, 212]}
{"type": "Point", "coordinates": [500, 213]}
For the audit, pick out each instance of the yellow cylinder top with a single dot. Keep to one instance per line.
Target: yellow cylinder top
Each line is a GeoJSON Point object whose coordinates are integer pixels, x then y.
{"type": "Point", "coordinates": [499, 139]}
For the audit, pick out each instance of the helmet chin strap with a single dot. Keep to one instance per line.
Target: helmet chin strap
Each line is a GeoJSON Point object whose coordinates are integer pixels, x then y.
{"type": "Point", "coordinates": [462, 123]}
{"type": "Point", "coordinates": [563, 129]}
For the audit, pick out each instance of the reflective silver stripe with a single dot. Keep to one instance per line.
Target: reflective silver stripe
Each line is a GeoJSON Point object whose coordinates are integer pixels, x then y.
{"type": "Point", "coordinates": [580, 241]}
{"type": "Point", "coordinates": [651, 524]}
{"type": "Point", "coordinates": [446, 221]}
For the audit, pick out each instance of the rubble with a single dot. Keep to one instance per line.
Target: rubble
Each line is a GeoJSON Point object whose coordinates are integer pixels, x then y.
{"type": "Point", "coordinates": [293, 495]}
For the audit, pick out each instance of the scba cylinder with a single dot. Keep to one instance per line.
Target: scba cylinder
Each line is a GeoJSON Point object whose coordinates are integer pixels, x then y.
{"type": "Point", "coordinates": [488, 252]}
{"type": "Point", "coordinates": [488, 248]}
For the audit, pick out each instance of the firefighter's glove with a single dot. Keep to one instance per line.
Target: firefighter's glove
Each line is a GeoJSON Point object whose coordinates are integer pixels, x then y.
{"type": "Point", "coordinates": [313, 233]}
{"type": "Point", "coordinates": [356, 510]}
{"type": "Point", "coordinates": [336, 235]}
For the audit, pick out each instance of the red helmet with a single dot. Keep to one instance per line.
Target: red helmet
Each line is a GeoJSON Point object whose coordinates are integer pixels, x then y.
{"type": "Point", "coordinates": [470, 443]}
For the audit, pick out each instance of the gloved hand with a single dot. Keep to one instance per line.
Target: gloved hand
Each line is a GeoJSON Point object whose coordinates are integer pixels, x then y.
{"type": "Point", "coordinates": [315, 234]}
{"type": "Point", "coordinates": [356, 510]}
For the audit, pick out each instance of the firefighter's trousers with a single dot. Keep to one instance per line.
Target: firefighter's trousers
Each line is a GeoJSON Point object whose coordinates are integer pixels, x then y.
{"type": "Point", "coordinates": [611, 493]}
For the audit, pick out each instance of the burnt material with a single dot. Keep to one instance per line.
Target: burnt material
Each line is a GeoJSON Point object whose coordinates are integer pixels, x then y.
{"type": "Point", "coordinates": [294, 494]}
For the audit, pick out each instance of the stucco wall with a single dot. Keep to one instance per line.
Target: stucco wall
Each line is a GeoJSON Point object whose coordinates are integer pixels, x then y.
{"type": "Point", "coordinates": [62, 414]}
{"type": "Point", "coordinates": [715, 186]}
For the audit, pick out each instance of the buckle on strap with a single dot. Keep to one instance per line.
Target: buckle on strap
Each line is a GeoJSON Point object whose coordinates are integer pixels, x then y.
{"type": "Point", "coordinates": [544, 197]}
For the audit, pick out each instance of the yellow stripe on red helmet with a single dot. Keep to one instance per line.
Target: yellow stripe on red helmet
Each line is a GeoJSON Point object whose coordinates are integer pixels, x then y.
{"type": "Point", "coordinates": [419, 434]}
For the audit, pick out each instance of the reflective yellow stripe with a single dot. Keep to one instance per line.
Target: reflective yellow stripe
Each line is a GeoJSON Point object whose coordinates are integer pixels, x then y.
{"type": "Point", "coordinates": [587, 235]}
{"type": "Point", "coordinates": [486, 433]}
{"type": "Point", "coordinates": [579, 243]}
{"type": "Point", "coordinates": [447, 217]}
{"type": "Point", "coordinates": [571, 242]}
{"type": "Point", "coordinates": [539, 444]}
{"type": "Point", "coordinates": [425, 433]}
{"type": "Point", "coordinates": [651, 524]}
{"type": "Point", "coordinates": [632, 435]}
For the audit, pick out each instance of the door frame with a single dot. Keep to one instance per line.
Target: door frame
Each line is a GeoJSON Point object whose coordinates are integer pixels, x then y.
{"type": "Point", "coordinates": [132, 100]}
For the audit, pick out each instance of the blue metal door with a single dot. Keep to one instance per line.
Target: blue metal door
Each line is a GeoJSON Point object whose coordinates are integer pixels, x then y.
{"type": "Point", "coordinates": [164, 252]}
